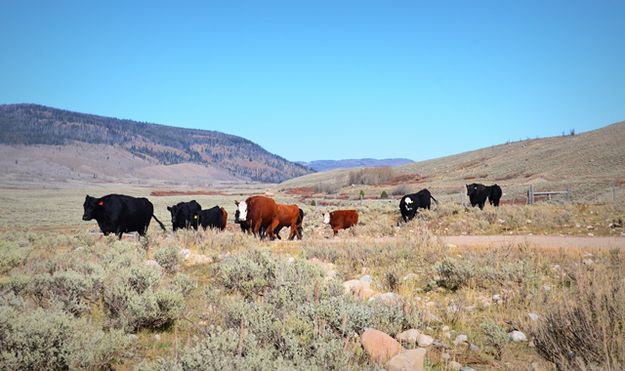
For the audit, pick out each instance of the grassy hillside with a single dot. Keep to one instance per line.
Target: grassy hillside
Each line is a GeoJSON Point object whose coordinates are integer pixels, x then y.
{"type": "Point", "coordinates": [590, 164]}
{"type": "Point", "coordinates": [28, 124]}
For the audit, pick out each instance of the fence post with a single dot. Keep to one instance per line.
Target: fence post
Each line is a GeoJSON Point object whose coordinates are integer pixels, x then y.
{"type": "Point", "coordinates": [530, 195]}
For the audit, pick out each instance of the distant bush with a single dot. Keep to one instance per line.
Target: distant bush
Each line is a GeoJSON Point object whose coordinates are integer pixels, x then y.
{"type": "Point", "coordinates": [371, 176]}
{"type": "Point", "coordinates": [384, 195]}
{"type": "Point", "coordinates": [327, 188]}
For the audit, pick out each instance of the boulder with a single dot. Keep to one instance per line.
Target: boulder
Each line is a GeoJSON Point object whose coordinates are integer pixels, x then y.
{"type": "Point", "coordinates": [461, 339]}
{"type": "Point", "coordinates": [424, 341]}
{"type": "Point", "coordinates": [408, 336]}
{"type": "Point", "coordinates": [517, 336]}
{"type": "Point", "coordinates": [379, 346]}
{"type": "Point", "coordinates": [409, 360]}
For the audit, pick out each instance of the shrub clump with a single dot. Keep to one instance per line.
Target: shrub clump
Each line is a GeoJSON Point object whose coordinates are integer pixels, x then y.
{"type": "Point", "coordinates": [168, 257]}
{"type": "Point", "coordinates": [453, 274]}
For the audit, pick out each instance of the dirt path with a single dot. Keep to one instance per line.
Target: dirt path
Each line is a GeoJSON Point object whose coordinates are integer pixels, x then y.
{"type": "Point", "coordinates": [537, 241]}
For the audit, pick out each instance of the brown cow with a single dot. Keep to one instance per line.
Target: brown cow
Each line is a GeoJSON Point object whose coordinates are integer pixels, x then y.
{"type": "Point", "coordinates": [341, 219]}
{"type": "Point", "coordinates": [264, 214]}
{"type": "Point", "coordinates": [290, 216]}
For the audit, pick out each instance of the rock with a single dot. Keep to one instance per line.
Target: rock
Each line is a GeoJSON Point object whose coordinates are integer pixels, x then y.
{"type": "Point", "coordinates": [409, 360]}
{"type": "Point", "coordinates": [409, 336]}
{"type": "Point", "coordinates": [467, 368]}
{"type": "Point", "coordinates": [533, 316]}
{"type": "Point", "coordinates": [587, 262]}
{"type": "Point", "coordinates": [453, 365]}
{"type": "Point", "coordinates": [517, 336]}
{"type": "Point", "coordinates": [445, 356]}
{"type": "Point", "coordinates": [185, 253]}
{"type": "Point", "coordinates": [451, 245]}
{"type": "Point", "coordinates": [497, 298]}
{"type": "Point", "coordinates": [290, 260]}
{"type": "Point", "coordinates": [424, 341]}
{"type": "Point", "coordinates": [546, 288]}
{"type": "Point", "coordinates": [461, 339]}
{"type": "Point", "coordinates": [379, 346]}
{"type": "Point", "coordinates": [473, 347]}
{"type": "Point", "coordinates": [388, 298]}
{"type": "Point", "coordinates": [133, 337]}
{"type": "Point", "coordinates": [366, 278]}
{"type": "Point", "coordinates": [157, 337]}
{"type": "Point", "coordinates": [358, 288]}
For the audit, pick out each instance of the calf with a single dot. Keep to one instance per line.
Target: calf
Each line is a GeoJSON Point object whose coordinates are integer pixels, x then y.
{"type": "Point", "coordinates": [185, 215]}
{"type": "Point", "coordinates": [341, 219]}
{"type": "Point", "coordinates": [216, 217]}
{"type": "Point", "coordinates": [120, 214]}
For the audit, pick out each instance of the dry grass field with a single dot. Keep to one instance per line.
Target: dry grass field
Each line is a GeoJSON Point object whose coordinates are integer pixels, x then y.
{"type": "Point", "coordinates": [70, 298]}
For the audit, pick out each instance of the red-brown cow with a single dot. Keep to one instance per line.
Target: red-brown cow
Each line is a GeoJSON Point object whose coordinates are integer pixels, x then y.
{"type": "Point", "coordinates": [341, 219]}
{"type": "Point", "coordinates": [264, 214]}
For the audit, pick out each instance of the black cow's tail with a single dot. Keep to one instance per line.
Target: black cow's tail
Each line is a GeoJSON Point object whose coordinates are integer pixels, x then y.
{"type": "Point", "coordinates": [301, 216]}
{"type": "Point", "coordinates": [434, 199]}
{"type": "Point", "coordinates": [159, 222]}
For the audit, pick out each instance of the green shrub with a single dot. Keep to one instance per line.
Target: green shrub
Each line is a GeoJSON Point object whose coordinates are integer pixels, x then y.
{"type": "Point", "coordinates": [496, 337]}
{"type": "Point", "coordinates": [453, 274]}
{"type": "Point", "coordinates": [51, 339]}
{"type": "Point", "coordinates": [168, 257]}
{"type": "Point", "coordinates": [383, 195]}
{"type": "Point", "coordinates": [250, 274]}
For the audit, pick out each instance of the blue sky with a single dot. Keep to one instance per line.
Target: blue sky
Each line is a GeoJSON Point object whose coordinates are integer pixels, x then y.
{"type": "Point", "coordinates": [326, 80]}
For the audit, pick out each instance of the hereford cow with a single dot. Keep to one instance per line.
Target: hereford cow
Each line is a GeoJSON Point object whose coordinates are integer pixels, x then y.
{"type": "Point", "coordinates": [120, 214]}
{"type": "Point", "coordinates": [263, 216]}
{"type": "Point", "coordinates": [478, 193]}
{"type": "Point", "coordinates": [409, 204]}
{"type": "Point", "coordinates": [216, 217]}
{"type": "Point", "coordinates": [185, 215]}
{"type": "Point", "coordinates": [341, 219]}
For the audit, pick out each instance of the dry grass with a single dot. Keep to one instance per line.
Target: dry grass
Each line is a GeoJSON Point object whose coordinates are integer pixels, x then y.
{"type": "Point", "coordinates": [438, 285]}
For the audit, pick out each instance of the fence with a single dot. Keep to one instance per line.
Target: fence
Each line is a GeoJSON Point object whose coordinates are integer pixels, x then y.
{"type": "Point", "coordinates": [531, 194]}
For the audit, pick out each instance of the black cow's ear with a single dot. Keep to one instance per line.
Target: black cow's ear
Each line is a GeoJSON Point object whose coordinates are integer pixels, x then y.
{"type": "Point", "coordinates": [168, 208]}
{"type": "Point", "coordinates": [236, 202]}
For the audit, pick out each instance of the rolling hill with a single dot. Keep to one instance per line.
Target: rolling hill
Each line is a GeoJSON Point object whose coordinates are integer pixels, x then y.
{"type": "Point", "coordinates": [589, 164]}
{"type": "Point", "coordinates": [52, 143]}
{"type": "Point", "coordinates": [325, 165]}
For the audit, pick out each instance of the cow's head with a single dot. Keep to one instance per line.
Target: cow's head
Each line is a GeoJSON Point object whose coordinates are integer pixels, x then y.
{"type": "Point", "coordinates": [177, 217]}
{"type": "Point", "coordinates": [326, 218]}
{"type": "Point", "coordinates": [90, 206]}
{"type": "Point", "coordinates": [241, 214]}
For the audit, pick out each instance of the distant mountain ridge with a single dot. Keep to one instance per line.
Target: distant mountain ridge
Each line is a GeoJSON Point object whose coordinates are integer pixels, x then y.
{"type": "Point", "coordinates": [30, 124]}
{"type": "Point", "coordinates": [325, 165]}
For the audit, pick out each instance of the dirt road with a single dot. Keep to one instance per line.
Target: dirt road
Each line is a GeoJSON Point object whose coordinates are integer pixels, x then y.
{"type": "Point", "coordinates": [537, 241]}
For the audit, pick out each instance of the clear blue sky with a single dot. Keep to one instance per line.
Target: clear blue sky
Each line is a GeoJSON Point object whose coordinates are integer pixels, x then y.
{"type": "Point", "coordinates": [326, 80]}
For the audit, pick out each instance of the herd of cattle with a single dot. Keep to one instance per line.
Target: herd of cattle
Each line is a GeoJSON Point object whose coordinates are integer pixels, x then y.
{"type": "Point", "coordinates": [262, 216]}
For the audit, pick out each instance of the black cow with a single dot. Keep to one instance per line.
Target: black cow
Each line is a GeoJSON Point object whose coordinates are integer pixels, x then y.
{"type": "Point", "coordinates": [479, 193]}
{"type": "Point", "coordinates": [495, 195]}
{"type": "Point", "coordinates": [185, 215]}
{"type": "Point", "coordinates": [120, 214]}
{"type": "Point", "coordinates": [409, 204]}
{"type": "Point", "coordinates": [215, 217]}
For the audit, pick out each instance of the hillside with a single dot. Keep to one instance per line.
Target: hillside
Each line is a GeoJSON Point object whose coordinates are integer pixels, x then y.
{"type": "Point", "coordinates": [590, 164]}
{"type": "Point", "coordinates": [325, 165]}
{"type": "Point", "coordinates": [227, 156]}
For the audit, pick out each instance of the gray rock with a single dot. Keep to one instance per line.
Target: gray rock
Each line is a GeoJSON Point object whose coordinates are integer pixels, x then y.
{"type": "Point", "coordinates": [533, 316]}
{"type": "Point", "coordinates": [424, 341]}
{"type": "Point", "coordinates": [517, 336]}
{"type": "Point", "coordinates": [453, 365]}
{"type": "Point", "coordinates": [133, 337]}
{"type": "Point", "coordinates": [467, 368]}
{"type": "Point", "coordinates": [409, 360]}
{"type": "Point", "coordinates": [366, 278]}
{"type": "Point", "coordinates": [461, 339]}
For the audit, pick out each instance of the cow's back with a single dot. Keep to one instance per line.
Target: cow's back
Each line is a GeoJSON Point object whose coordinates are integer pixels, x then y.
{"type": "Point", "coordinates": [130, 213]}
{"type": "Point", "coordinates": [261, 208]}
{"type": "Point", "coordinates": [343, 218]}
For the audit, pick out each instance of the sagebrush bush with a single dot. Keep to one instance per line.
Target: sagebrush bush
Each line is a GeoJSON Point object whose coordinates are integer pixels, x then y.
{"type": "Point", "coordinates": [496, 337]}
{"type": "Point", "coordinates": [168, 257]}
{"type": "Point", "coordinates": [53, 340]}
{"type": "Point", "coordinates": [453, 274]}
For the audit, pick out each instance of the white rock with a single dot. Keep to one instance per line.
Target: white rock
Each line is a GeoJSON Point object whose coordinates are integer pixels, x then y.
{"type": "Point", "coordinates": [366, 278]}
{"type": "Point", "coordinates": [185, 253]}
{"type": "Point", "coordinates": [587, 262]}
{"type": "Point", "coordinates": [546, 288]}
{"type": "Point", "coordinates": [517, 336]}
{"type": "Point", "coordinates": [152, 263]}
{"type": "Point", "coordinates": [461, 339]}
{"type": "Point", "coordinates": [451, 245]}
{"type": "Point", "coordinates": [497, 298]}
{"type": "Point", "coordinates": [467, 368]}
{"type": "Point", "coordinates": [388, 298]}
{"type": "Point", "coordinates": [157, 337]}
{"type": "Point", "coordinates": [133, 337]}
{"type": "Point", "coordinates": [424, 341]}
{"type": "Point", "coordinates": [445, 328]}
{"type": "Point", "coordinates": [533, 316]}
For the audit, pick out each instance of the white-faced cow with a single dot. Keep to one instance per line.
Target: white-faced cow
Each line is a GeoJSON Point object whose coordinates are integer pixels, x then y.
{"type": "Point", "coordinates": [409, 204]}
{"type": "Point", "coordinates": [120, 214]}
